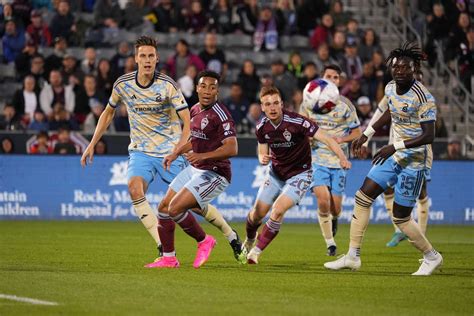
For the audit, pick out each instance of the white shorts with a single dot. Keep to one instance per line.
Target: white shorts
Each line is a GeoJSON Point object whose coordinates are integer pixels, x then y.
{"type": "Point", "coordinates": [295, 187]}
{"type": "Point", "coordinates": [205, 185]}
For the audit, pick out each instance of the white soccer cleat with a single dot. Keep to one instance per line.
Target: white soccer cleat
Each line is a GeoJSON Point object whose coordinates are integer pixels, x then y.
{"type": "Point", "coordinates": [427, 267]}
{"type": "Point", "coordinates": [249, 243]}
{"type": "Point", "coordinates": [252, 257]}
{"type": "Point", "coordinates": [343, 262]}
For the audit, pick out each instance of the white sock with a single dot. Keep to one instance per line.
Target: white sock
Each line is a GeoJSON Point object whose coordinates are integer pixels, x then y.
{"type": "Point", "coordinates": [169, 254]}
{"type": "Point", "coordinates": [354, 253]}
{"type": "Point", "coordinates": [232, 236]}
{"type": "Point", "coordinates": [430, 254]}
{"type": "Point", "coordinates": [330, 242]}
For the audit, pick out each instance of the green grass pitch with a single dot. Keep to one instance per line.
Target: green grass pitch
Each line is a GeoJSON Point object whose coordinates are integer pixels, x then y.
{"type": "Point", "coordinates": [97, 268]}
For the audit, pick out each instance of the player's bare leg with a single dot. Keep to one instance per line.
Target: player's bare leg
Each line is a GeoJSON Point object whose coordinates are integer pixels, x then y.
{"type": "Point", "coordinates": [397, 236]}
{"type": "Point", "coordinates": [432, 260]}
{"type": "Point", "coordinates": [271, 228]}
{"type": "Point", "coordinates": [423, 208]}
{"type": "Point", "coordinates": [324, 217]}
{"type": "Point", "coordinates": [137, 187]}
{"type": "Point", "coordinates": [254, 220]}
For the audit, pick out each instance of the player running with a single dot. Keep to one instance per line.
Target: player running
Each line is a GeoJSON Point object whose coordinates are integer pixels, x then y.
{"type": "Point", "coordinates": [329, 179]}
{"type": "Point", "coordinates": [156, 110]}
{"type": "Point", "coordinates": [213, 141]}
{"type": "Point", "coordinates": [283, 140]}
{"type": "Point", "coordinates": [402, 164]}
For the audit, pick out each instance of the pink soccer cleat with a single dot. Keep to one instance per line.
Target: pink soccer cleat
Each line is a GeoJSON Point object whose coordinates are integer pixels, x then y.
{"type": "Point", "coordinates": [204, 251]}
{"type": "Point", "coordinates": [164, 262]}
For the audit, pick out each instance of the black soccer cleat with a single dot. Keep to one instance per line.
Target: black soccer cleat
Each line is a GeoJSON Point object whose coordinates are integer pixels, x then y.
{"type": "Point", "coordinates": [239, 252]}
{"type": "Point", "coordinates": [160, 251]}
{"type": "Point", "coordinates": [332, 251]}
{"type": "Point", "coordinates": [334, 227]}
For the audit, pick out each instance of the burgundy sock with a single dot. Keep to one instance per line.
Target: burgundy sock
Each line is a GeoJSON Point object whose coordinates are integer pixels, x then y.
{"type": "Point", "coordinates": [251, 228]}
{"type": "Point", "coordinates": [269, 232]}
{"type": "Point", "coordinates": [190, 226]}
{"type": "Point", "coordinates": [166, 227]}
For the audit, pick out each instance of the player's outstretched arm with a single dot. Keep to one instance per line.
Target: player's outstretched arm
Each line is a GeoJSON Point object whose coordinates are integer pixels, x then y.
{"type": "Point", "coordinates": [354, 134]}
{"type": "Point", "coordinates": [426, 137]}
{"type": "Point", "coordinates": [334, 146]}
{"type": "Point", "coordinates": [168, 159]}
{"type": "Point", "coordinates": [104, 121]}
{"type": "Point", "coordinates": [264, 156]}
{"type": "Point", "coordinates": [228, 149]}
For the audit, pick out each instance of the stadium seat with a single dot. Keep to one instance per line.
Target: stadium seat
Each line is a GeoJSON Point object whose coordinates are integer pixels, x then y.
{"type": "Point", "coordinates": [106, 53]}
{"type": "Point", "coordinates": [238, 40]}
{"type": "Point", "coordinates": [298, 42]}
{"type": "Point", "coordinates": [7, 73]}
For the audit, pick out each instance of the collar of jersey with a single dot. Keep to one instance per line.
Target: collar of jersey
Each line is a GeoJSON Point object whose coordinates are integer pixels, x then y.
{"type": "Point", "coordinates": [147, 86]}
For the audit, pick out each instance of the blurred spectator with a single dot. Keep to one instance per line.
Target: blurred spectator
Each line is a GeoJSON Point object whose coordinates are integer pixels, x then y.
{"type": "Point", "coordinates": [248, 124]}
{"type": "Point", "coordinates": [381, 71]}
{"type": "Point", "coordinates": [87, 98]}
{"type": "Point", "coordinates": [41, 146]}
{"type": "Point", "coordinates": [70, 73]}
{"type": "Point", "coordinates": [63, 23]}
{"type": "Point", "coordinates": [437, 29]}
{"type": "Point", "coordinates": [353, 32]}
{"type": "Point", "coordinates": [265, 37]}
{"type": "Point", "coordinates": [121, 122]}
{"type": "Point", "coordinates": [105, 77]}
{"type": "Point", "coordinates": [458, 33]}
{"type": "Point", "coordinates": [37, 71]}
{"type": "Point", "coordinates": [129, 66]}
{"type": "Point", "coordinates": [295, 65]}
{"type": "Point", "coordinates": [266, 80]}
{"type": "Point", "coordinates": [351, 63]}
{"type": "Point", "coordinates": [61, 118]}
{"type": "Point", "coordinates": [466, 60]}
{"type": "Point", "coordinates": [285, 13]}
{"type": "Point", "coordinates": [9, 120]}
{"type": "Point", "coordinates": [222, 17]}
{"type": "Point", "coordinates": [284, 81]}
{"type": "Point", "coordinates": [55, 60]}
{"type": "Point", "coordinates": [39, 122]}
{"type": "Point", "coordinates": [38, 31]}
{"type": "Point", "coordinates": [323, 58]}
{"type": "Point", "coordinates": [117, 62]}
{"type": "Point", "coordinates": [40, 4]}
{"type": "Point", "coordinates": [296, 100]}
{"type": "Point", "coordinates": [310, 72]}
{"type": "Point", "coordinates": [249, 80]}
{"type": "Point", "coordinates": [89, 63]}
{"type": "Point", "coordinates": [368, 81]}
{"type": "Point", "coordinates": [352, 90]}
{"type": "Point", "coordinates": [248, 16]}
{"type": "Point", "coordinates": [187, 85]}
{"type": "Point", "coordinates": [338, 14]}
{"type": "Point", "coordinates": [93, 117]}
{"type": "Point", "coordinates": [336, 49]}
{"type": "Point", "coordinates": [323, 32]}
{"type": "Point", "coordinates": [196, 19]}
{"type": "Point", "coordinates": [213, 57]}
{"type": "Point", "coordinates": [13, 42]}
{"type": "Point", "coordinates": [364, 112]}
{"type": "Point", "coordinates": [237, 103]}
{"type": "Point", "coordinates": [100, 148]}
{"type": "Point", "coordinates": [23, 60]}
{"type": "Point", "coordinates": [6, 16]}
{"type": "Point", "coordinates": [176, 64]}
{"type": "Point", "coordinates": [308, 13]}
{"type": "Point", "coordinates": [168, 17]}
{"type": "Point", "coordinates": [134, 17]}
{"type": "Point", "coordinates": [7, 146]}
{"type": "Point", "coordinates": [56, 92]}
{"type": "Point", "coordinates": [107, 14]}
{"type": "Point", "coordinates": [369, 45]}
{"type": "Point", "coordinates": [26, 100]}
{"type": "Point", "coordinates": [22, 10]}
{"type": "Point", "coordinates": [64, 145]}
{"type": "Point", "coordinates": [453, 150]}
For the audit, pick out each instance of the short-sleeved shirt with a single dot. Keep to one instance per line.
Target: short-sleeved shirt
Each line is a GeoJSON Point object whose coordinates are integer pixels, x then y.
{"type": "Point", "coordinates": [408, 111]}
{"type": "Point", "coordinates": [288, 142]}
{"type": "Point", "coordinates": [209, 127]}
{"type": "Point", "coordinates": [155, 127]}
{"type": "Point", "coordinates": [337, 123]}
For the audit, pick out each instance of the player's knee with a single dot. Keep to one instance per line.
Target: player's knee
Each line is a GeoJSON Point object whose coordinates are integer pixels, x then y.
{"type": "Point", "coordinates": [277, 214]}
{"type": "Point", "coordinates": [174, 209]}
{"type": "Point", "coordinates": [324, 205]}
{"type": "Point", "coordinates": [323, 212]}
{"type": "Point", "coordinates": [135, 189]}
{"type": "Point", "coordinates": [400, 211]}
{"type": "Point", "coordinates": [163, 207]}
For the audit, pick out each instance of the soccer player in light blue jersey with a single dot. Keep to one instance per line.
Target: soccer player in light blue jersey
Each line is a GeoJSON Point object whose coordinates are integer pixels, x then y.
{"type": "Point", "coordinates": [159, 124]}
{"type": "Point", "coordinates": [403, 164]}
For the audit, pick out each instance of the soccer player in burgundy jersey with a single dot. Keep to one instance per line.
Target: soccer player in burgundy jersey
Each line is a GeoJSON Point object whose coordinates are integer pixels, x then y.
{"type": "Point", "coordinates": [213, 141]}
{"type": "Point", "coordinates": [284, 140]}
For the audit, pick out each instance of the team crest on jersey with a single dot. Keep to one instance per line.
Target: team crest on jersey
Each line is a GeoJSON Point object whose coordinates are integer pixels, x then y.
{"type": "Point", "coordinates": [306, 124]}
{"type": "Point", "coordinates": [287, 135]}
{"type": "Point", "coordinates": [158, 98]}
{"type": "Point", "coordinates": [405, 107]}
{"type": "Point", "coordinates": [204, 123]}
{"type": "Point", "coordinates": [266, 136]}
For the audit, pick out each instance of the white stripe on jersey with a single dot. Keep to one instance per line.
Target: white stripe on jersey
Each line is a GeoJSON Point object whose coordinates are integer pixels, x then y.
{"type": "Point", "coordinates": [220, 112]}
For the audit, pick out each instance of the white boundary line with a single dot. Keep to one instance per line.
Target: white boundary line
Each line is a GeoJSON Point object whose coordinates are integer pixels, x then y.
{"type": "Point", "coordinates": [26, 300]}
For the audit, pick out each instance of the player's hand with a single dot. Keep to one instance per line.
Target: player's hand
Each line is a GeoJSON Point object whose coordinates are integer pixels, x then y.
{"type": "Point", "coordinates": [265, 159]}
{"type": "Point", "coordinates": [338, 140]}
{"type": "Point", "coordinates": [345, 164]}
{"type": "Point", "coordinates": [357, 144]}
{"type": "Point", "coordinates": [383, 154]}
{"type": "Point", "coordinates": [193, 157]}
{"type": "Point", "coordinates": [87, 155]}
{"type": "Point", "coordinates": [168, 159]}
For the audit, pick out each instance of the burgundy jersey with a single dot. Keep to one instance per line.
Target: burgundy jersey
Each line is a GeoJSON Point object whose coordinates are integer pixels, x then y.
{"type": "Point", "coordinates": [209, 127]}
{"type": "Point", "coordinates": [288, 142]}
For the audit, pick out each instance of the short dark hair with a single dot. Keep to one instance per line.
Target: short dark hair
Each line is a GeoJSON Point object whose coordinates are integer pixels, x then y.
{"type": "Point", "coordinates": [269, 91]}
{"type": "Point", "coordinates": [145, 41]}
{"type": "Point", "coordinates": [209, 73]}
{"type": "Point", "coordinates": [334, 67]}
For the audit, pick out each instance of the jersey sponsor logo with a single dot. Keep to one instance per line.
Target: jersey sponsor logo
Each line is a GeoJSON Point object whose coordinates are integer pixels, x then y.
{"type": "Point", "coordinates": [400, 119]}
{"type": "Point", "coordinates": [204, 123]}
{"type": "Point", "coordinates": [199, 134]}
{"type": "Point", "coordinates": [287, 135]}
{"type": "Point", "coordinates": [282, 145]}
